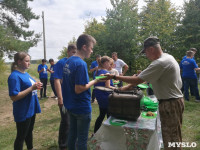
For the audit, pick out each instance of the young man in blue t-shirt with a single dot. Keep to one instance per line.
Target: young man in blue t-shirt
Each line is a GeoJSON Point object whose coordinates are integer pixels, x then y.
{"type": "Point", "coordinates": [194, 50]}
{"type": "Point", "coordinates": [58, 76]}
{"type": "Point", "coordinates": [42, 70]}
{"type": "Point", "coordinates": [93, 68]}
{"type": "Point", "coordinates": [76, 93]}
{"type": "Point", "coordinates": [189, 77]}
{"type": "Point", "coordinates": [51, 70]}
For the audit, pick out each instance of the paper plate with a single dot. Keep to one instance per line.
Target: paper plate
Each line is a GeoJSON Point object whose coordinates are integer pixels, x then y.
{"type": "Point", "coordinates": [100, 77]}
{"type": "Point", "coordinates": [143, 86]}
{"type": "Point", "coordinates": [117, 122]}
{"type": "Point", "coordinates": [147, 101]}
{"type": "Point", "coordinates": [148, 117]}
{"type": "Point", "coordinates": [150, 85]}
{"type": "Point", "coordinates": [151, 108]}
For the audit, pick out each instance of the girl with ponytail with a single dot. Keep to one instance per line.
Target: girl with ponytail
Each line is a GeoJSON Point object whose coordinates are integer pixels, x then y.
{"type": "Point", "coordinates": [23, 93]}
{"type": "Point", "coordinates": [102, 96]}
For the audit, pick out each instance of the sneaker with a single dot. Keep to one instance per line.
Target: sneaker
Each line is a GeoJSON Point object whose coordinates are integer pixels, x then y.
{"type": "Point", "coordinates": [53, 97]}
{"type": "Point", "coordinates": [197, 100]}
{"type": "Point", "coordinates": [46, 97]}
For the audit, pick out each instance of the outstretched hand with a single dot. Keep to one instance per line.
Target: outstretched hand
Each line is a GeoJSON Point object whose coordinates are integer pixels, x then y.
{"type": "Point", "coordinates": [108, 77]}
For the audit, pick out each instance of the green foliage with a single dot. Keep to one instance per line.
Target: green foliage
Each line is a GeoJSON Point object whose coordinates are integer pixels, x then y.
{"type": "Point", "coordinates": [2, 65]}
{"type": "Point", "coordinates": [122, 29]}
{"type": "Point", "coordinates": [64, 50]}
{"type": "Point", "coordinates": [189, 30]}
{"type": "Point", "coordinates": [97, 30]}
{"type": "Point", "coordinates": [15, 16]}
{"type": "Point", "coordinates": [33, 70]}
{"type": "Point", "coordinates": [3, 76]}
{"type": "Point", "coordinates": [160, 18]}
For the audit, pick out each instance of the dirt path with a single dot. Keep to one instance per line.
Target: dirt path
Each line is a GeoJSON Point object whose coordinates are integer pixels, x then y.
{"type": "Point", "coordinates": [6, 114]}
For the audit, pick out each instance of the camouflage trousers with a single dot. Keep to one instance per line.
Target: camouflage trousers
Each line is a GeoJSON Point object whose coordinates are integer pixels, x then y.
{"type": "Point", "coordinates": [171, 114]}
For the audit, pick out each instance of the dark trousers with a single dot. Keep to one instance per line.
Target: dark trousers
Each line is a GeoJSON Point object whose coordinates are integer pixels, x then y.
{"type": "Point", "coordinates": [120, 84]}
{"type": "Point", "coordinates": [64, 129]}
{"type": "Point", "coordinates": [24, 132]}
{"type": "Point", "coordinates": [193, 84]}
{"type": "Point", "coordinates": [93, 95]}
{"type": "Point", "coordinates": [44, 87]}
{"type": "Point", "coordinates": [53, 87]}
{"type": "Point", "coordinates": [102, 114]}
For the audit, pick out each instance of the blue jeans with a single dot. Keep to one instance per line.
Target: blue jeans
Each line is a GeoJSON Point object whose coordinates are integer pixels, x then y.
{"type": "Point", "coordinates": [193, 83]}
{"type": "Point", "coordinates": [78, 132]}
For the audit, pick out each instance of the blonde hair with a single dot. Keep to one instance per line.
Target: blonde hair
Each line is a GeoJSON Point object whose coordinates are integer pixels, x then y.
{"type": "Point", "coordinates": [102, 60]}
{"type": "Point", "coordinates": [18, 56]}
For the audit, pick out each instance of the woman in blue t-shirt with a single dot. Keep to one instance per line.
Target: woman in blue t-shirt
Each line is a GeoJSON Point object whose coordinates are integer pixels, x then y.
{"type": "Point", "coordinates": [102, 96]}
{"type": "Point", "coordinates": [23, 93]}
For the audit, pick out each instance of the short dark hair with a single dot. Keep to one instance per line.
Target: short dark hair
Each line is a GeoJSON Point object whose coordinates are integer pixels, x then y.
{"type": "Point", "coordinates": [84, 39]}
{"type": "Point", "coordinates": [51, 60]}
{"type": "Point", "coordinates": [44, 60]}
{"type": "Point", "coordinates": [97, 56]}
{"type": "Point", "coordinates": [71, 47]}
{"type": "Point", "coordinates": [189, 53]}
{"type": "Point", "coordinates": [150, 41]}
{"type": "Point", "coordinates": [114, 53]}
{"type": "Point", "coordinates": [193, 49]}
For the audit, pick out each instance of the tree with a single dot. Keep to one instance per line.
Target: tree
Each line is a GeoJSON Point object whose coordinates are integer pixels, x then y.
{"type": "Point", "coordinates": [97, 30]}
{"type": "Point", "coordinates": [15, 16]}
{"type": "Point", "coordinates": [160, 18]}
{"type": "Point", "coordinates": [189, 31]}
{"type": "Point", "coordinates": [64, 50]}
{"type": "Point", "coordinates": [122, 29]}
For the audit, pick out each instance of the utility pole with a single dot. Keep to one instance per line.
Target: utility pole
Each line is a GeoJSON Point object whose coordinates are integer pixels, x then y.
{"type": "Point", "coordinates": [44, 42]}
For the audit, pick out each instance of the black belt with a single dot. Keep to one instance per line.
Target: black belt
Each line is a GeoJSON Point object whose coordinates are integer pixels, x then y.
{"type": "Point", "coordinates": [170, 99]}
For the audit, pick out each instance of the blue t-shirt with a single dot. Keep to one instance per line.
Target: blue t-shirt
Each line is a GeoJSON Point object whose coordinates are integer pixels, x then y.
{"type": "Point", "coordinates": [188, 65]}
{"type": "Point", "coordinates": [75, 72]}
{"type": "Point", "coordinates": [58, 70]}
{"type": "Point", "coordinates": [186, 57]}
{"type": "Point", "coordinates": [52, 68]}
{"type": "Point", "coordinates": [102, 96]}
{"type": "Point", "coordinates": [27, 106]}
{"type": "Point", "coordinates": [43, 74]}
{"type": "Point", "coordinates": [93, 65]}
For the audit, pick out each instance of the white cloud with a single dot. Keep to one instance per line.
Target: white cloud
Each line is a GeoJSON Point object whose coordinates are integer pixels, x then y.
{"type": "Point", "coordinates": [64, 19]}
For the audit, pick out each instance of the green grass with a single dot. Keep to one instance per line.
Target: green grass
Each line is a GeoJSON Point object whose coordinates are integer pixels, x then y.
{"type": "Point", "coordinates": [47, 123]}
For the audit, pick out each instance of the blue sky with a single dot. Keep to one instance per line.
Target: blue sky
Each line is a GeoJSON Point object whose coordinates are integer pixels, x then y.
{"type": "Point", "coordinates": [65, 19]}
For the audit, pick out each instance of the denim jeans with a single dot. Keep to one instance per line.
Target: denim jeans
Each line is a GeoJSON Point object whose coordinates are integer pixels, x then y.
{"type": "Point", "coordinates": [78, 133]}
{"type": "Point", "coordinates": [63, 130]}
{"type": "Point", "coordinates": [189, 82]}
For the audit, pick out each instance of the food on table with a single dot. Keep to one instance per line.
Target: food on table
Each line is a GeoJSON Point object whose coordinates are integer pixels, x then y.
{"type": "Point", "coordinates": [149, 113]}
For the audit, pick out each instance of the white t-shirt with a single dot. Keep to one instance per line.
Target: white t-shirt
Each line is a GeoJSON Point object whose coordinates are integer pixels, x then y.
{"type": "Point", "coordinates": [119, 64]}
{"type": "Point", "coordinates": [114, 72]}
{"type": "Point", "coordinates": [164, 75]}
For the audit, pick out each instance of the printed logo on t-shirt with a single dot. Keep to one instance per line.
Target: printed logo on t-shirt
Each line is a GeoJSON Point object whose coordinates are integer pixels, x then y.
{"type": "Point", "coordinates": [45, 71]}
{"type": "Point", "coordinates": [66, 69]}
{"type": "Point", "coordinates": [34, 92]}
{"type": "Point", "coordinates": [186, 63]}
